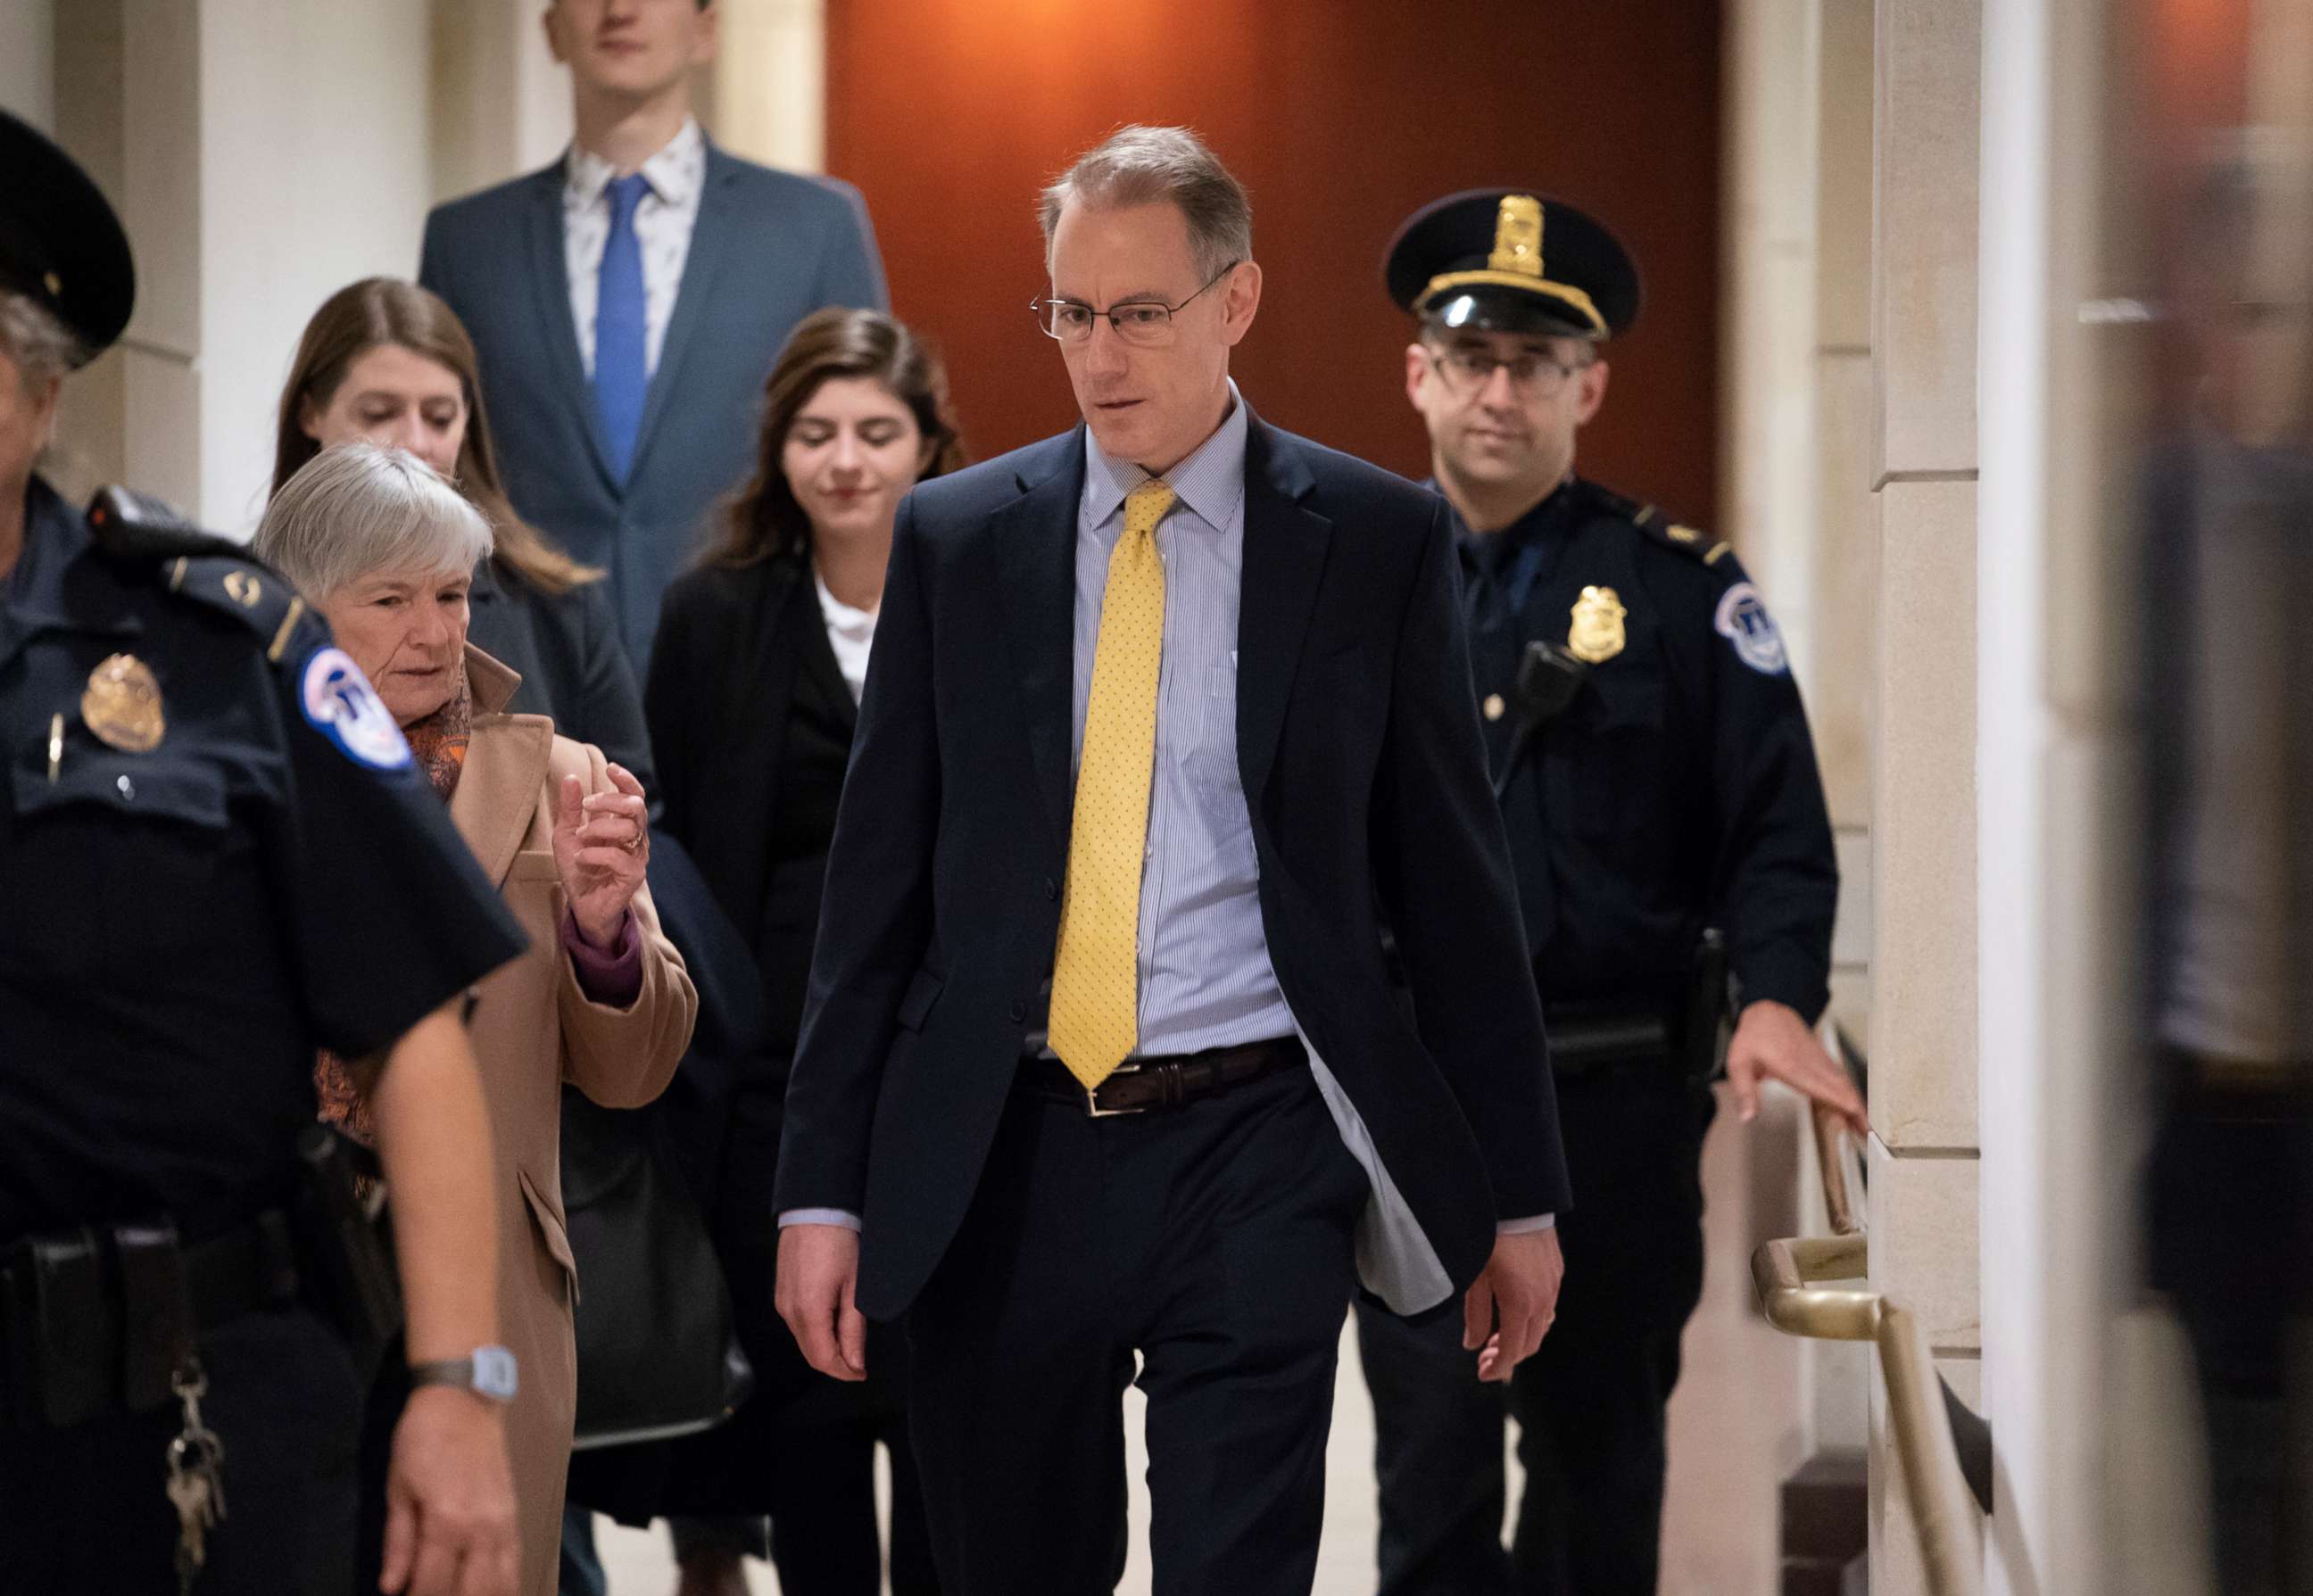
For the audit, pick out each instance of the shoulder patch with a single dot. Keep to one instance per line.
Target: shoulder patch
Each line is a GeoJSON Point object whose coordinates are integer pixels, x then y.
{"type": "Point", "coordinates": [340, 704]}
{"type": "Point", "coordinates": [243, 587]}
{"type": "Point", "coordinates": [1742, 619]}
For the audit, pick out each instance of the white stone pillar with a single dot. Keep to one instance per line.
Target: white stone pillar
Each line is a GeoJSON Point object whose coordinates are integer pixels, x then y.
{"type": "Point", "coordinates": [769, 84]}
{"type": "Point", "coordinates": [28, 59]}
{"type": "Point", "coordinates": [262, 154]}
{"type": "Point", "coordinates": [313, 171]}
{"type": "Point", "coordinates": [1923, 1154]}
{"type": "Point", "coordinates": [501, 102]}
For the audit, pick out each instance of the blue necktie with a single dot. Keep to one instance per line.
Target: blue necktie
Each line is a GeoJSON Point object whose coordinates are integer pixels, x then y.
{"type": "Point", "coordinates": [621, 332]}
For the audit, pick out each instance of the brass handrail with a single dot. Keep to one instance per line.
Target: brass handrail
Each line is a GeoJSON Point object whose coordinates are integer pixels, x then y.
{"type": "Point", "coordinates": [1832, 1163]}
{"type": "Point", "coordinates": [1789, 1276]}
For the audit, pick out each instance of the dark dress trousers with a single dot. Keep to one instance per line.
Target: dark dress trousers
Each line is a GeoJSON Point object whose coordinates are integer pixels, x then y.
{"type": "Point", "coordinates": [1677, 790]}
{"type": "Point", "coordinates": [752, 725]}
{"type": "Point", "coordinates": [1039, 1247]}
{"type": "Point", "coordinates": [768, 249]}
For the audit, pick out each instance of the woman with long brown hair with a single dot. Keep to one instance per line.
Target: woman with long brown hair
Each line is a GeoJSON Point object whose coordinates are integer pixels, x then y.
{"type": "Point", "coordinates": [386, 361]}
{"type": "Point", "coordinates": [760, 659]}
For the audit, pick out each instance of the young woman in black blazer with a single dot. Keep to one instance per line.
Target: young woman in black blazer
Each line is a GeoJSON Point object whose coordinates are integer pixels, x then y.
{"type": "Point", "coordinates": [752, 691]}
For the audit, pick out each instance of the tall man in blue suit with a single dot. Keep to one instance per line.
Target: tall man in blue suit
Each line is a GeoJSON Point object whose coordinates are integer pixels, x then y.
{"type": "Point", "coordinates": [629, 300]}
{"type": "Point", "coordinates": [1100, 1056]}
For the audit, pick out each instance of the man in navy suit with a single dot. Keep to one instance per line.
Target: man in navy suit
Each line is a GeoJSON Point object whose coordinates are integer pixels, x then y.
{"type": "Point", "coordinates": [629, 300]}
{"type": "Point", "coordinates": [1100, 1058]}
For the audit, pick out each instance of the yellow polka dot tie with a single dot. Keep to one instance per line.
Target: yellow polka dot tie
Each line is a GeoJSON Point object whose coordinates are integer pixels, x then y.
{"type": "Point", "coordinates": [1096, 975]}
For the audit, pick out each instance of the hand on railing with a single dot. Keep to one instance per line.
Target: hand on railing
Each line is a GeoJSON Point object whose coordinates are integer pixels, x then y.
{"type": "Point", "coordinates": [1771, 1042]}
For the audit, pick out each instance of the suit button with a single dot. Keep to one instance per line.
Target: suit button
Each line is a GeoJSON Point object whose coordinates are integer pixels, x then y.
{"type": "Point", "coordinates": [1019, 1011]}
{"type": "Point", "coordinates": [1052, 890]}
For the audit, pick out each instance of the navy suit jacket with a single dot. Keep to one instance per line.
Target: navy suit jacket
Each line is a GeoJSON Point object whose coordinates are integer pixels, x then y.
{"type": "Point", "coordinates": [769, 248]}
{"type": "Point", "coordinates": [1359, 749]}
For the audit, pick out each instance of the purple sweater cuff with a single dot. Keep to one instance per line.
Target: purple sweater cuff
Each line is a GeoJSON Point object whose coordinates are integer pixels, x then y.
{"type": "Point", "coordinates": [612, 978]}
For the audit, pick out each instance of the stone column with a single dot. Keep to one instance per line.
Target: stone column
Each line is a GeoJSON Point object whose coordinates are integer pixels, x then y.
{"type": "Point", "coordinates": [28, 54]}
{"type": "Point", "coordinates": [262, 153]}
{"type": "Point", "coordinates": [1840, 691]}
{"type": "Point", "coordinates": [500, 103]}
{"type": "Point", "coordinates": [127, 95]}
{"type": "Point", "coordinates": [768, 91]}
{"type": "Point", "coordinates": [1924, 1150]}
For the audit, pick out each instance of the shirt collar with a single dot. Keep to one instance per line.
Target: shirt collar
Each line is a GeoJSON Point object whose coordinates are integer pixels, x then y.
{"type": "Point", "coordinates": [1490, 551]}
{"type": "Point", "coordinates": [673, 175]}
{"type": "Point", "coordinates": [54, 537]}
{"type": "Point", "coordinates": [1210, 482]}
{"type": "Point", "coordinates": [840, 614]}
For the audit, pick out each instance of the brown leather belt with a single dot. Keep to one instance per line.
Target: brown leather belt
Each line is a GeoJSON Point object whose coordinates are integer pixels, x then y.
{"type": "Point", "coordinates": [1140, 1084]}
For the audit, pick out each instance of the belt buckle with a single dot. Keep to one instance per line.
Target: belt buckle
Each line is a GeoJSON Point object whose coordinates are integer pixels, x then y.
{"type": "Point", "coordinates": [1092, 1095]}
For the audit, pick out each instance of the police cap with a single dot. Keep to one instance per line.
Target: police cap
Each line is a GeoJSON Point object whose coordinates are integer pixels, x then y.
{"type": "Point", "coordinates": [60, 244]}
{"type": "Point", "coordinates": [1512, 260]}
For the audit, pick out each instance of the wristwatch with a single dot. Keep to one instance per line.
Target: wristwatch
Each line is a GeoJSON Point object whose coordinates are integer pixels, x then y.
{"type": "Point", "coordinates": [490, 1372]}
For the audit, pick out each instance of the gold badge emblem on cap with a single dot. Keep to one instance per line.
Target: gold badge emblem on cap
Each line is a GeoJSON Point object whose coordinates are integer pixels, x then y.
{"type": "Point", "coordinates": [1597, 633]}
{"type": "Point", "coordinates": [1518, 236]}
{"type": "Point", "coordinates": [121, 704]}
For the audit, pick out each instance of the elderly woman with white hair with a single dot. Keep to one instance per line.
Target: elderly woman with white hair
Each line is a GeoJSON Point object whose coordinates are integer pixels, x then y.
{"type": "Point", "coordinates": [386, 549]}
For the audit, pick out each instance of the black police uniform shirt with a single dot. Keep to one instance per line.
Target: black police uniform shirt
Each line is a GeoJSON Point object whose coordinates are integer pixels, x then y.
{"type": "Point", "coordinates": [1679, 788]}
{"type": "Point", "coordinates": [181, 928]}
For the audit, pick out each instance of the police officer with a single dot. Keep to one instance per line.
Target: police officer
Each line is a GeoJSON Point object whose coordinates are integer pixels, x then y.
{"type": "Point", "coordinates": [1658, 784]}
{"type": "Point", "coordinates": [215, 859]}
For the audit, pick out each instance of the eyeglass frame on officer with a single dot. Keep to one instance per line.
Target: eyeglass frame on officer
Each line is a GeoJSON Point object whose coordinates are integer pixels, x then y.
{"type": "Point", "coordinates": [1467, 386]}
{"type": "Point", "coordinates": [1044, 309]}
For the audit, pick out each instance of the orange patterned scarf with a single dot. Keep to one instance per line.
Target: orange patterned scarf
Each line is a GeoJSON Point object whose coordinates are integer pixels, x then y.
{"type": "Point", "coordinates": [438, 742]}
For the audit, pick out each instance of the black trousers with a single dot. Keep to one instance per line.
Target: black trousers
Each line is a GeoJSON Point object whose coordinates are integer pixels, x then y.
{"type": "Point", "coordinates": [1214, 1241]}
{"type": "Point", "coordinates": [83, 1509]}
{"type": "Point", "coordinates": [821, 1534]}
{"type": "Point", "coordinates": [1590, 1404]}
{"type": "Point", "coordinates": [2230, 1215]}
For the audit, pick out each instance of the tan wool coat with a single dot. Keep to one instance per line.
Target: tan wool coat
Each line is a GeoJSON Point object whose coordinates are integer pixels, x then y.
{"type": "Point", "coordinates": [533, 1030]}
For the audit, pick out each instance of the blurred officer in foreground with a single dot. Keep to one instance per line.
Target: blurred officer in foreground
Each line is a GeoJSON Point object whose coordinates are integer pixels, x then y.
{"type": "Point", "coordinates": [1667, 825]}
{"type": "Point", "coordinates": [216, 858]}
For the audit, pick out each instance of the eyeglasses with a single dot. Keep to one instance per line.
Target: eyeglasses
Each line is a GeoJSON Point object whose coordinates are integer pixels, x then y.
{"type": "Point", "coordinates": [1467, 370]}
{"type": "Point", "coordinates": [1143, 321]}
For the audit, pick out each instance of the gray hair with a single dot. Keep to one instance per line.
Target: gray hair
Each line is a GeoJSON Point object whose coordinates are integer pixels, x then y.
{"type": "Point", "coordinates": [356, 509]}
{"type": "Point", "coordinates": [42, 347]}
{"type": "Point", "coordinates": [1138, 165]}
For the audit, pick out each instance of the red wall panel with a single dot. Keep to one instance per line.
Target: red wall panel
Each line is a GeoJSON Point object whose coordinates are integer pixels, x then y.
{"type": "Point", "coordinates": [1341, 117]}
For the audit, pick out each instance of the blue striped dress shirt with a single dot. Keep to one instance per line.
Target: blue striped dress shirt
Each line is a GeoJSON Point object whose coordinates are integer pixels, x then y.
{"type": "Point", "coordinates": [1205, 976]}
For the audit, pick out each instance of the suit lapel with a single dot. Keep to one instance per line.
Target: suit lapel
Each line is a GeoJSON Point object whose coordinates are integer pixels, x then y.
{"type": "Point", "coordinates": [761, 692]}
{"type": "Point", "coordinates": [1284, 545]}
{"type": "Point", "coordinates": [701, 267]}
{"type": "Point", "coordinates": [498, 793]}
{"type": "Point", "coordinates": [1035, 543]}
{"type": "Point", "coordinates": [549, 276]}
{"type": "Point", "coordinates": [819, 664]}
